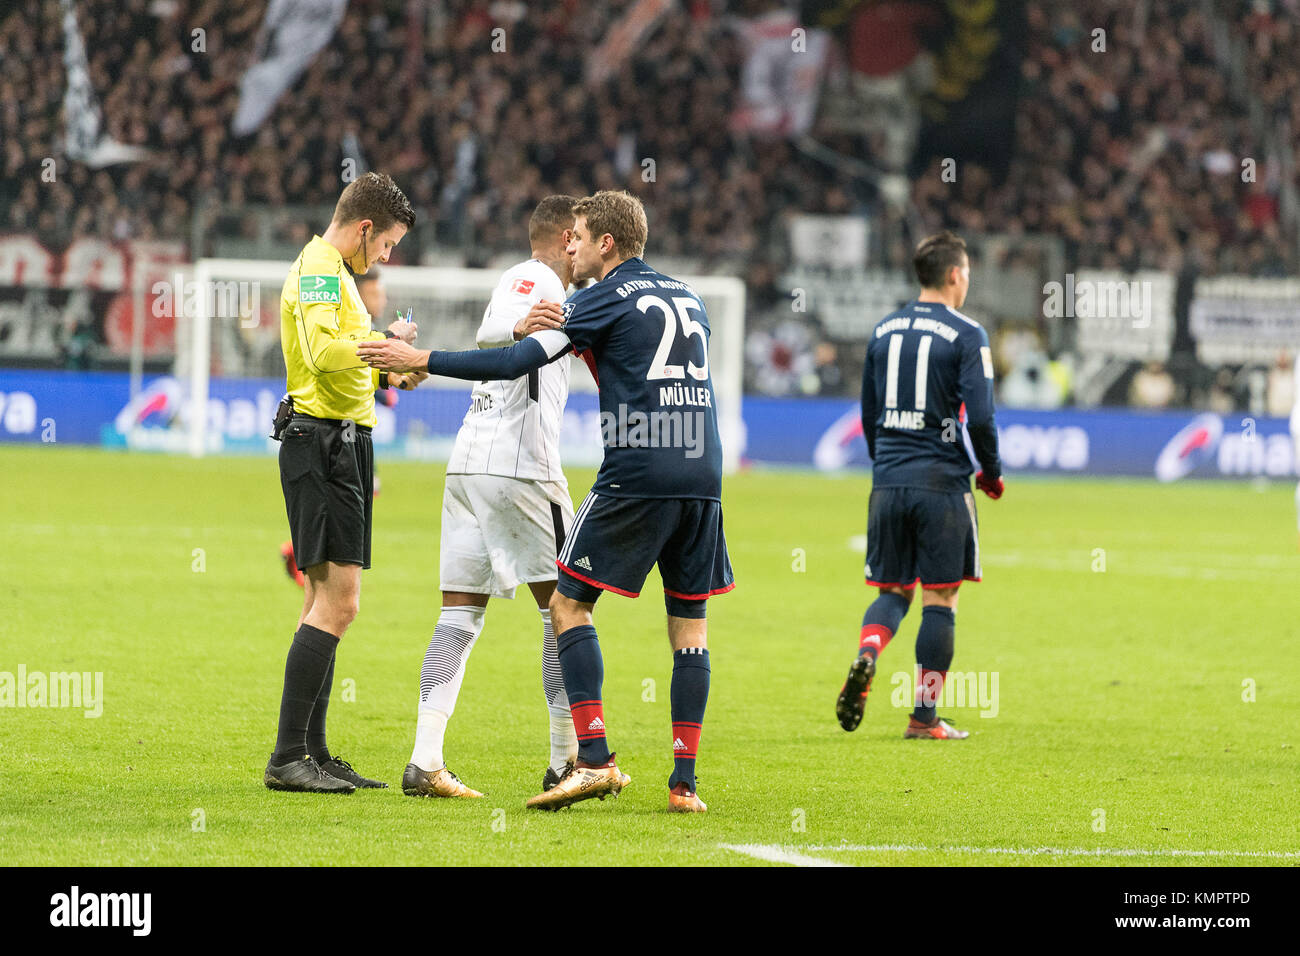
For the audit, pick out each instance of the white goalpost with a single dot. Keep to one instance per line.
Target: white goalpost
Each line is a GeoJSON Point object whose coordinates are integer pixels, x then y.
{"type": "Point", "coordinates": [234, 332]}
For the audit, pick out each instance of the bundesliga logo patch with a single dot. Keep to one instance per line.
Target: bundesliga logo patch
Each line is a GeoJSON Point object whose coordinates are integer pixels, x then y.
{"type": "Point", "coordinates": [522, 286]}
{"type": "Point", "coordinates": [319, 289]}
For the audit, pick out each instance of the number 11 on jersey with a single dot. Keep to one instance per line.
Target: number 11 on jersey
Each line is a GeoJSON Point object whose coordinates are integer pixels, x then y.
{"type": "Point", "coordinates": [922, 371]}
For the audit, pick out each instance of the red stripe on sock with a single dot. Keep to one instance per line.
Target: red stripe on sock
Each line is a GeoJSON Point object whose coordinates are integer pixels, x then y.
{"type": "Point", "coordinates": [588, 719]}
{"type": "Point", "coordinates": [875, 635]}
{"type": "Point", "coordinates": [688, 736]}
{"type": "Point", "coordinates": [929, 687]}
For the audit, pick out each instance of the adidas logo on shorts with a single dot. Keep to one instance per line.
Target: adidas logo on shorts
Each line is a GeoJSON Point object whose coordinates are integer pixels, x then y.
{"type": "Point", "coordinates": [678, 745]}
{"type": "Point", "coordinates": [596, 724]}
{"type": "Point", "coordinates": [583, 563]}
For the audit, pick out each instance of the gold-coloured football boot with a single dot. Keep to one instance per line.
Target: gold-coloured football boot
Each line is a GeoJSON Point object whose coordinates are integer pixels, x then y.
{"type": "Point", "coordinates": [434, 783]}
{"type": "Point", "coordinates": [681, 800]}
{"type": "Point", "coordinates": [581, 783]}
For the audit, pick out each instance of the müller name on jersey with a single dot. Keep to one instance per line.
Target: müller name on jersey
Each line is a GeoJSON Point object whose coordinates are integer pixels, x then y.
{"type": "Point", "coordinates": [685, 395]}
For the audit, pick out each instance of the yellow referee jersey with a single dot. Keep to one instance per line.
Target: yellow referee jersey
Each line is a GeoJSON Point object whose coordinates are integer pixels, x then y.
{"type": "Point", "coordinates": [321, 322]}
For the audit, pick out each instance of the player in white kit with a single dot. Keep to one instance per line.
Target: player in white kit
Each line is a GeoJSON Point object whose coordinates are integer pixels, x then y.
{"type": "Point", "coordinates": [505, 509]}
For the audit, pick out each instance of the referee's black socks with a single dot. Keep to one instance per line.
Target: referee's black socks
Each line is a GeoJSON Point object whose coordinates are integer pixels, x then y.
{"type": "Point", "coordinates": [316, 743]}
{"type": "Point", "coordinates": [311, 657]}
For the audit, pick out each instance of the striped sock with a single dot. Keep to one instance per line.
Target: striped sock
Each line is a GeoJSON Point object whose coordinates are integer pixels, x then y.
{"type": "Point", "coordinates": [584, 675]}
{"type": "Point", "coordinates": [688, 697]}
{"type": "Point", "coordinates": [564, 743]}
{"type": "Point", "coordinates": [440, 679]}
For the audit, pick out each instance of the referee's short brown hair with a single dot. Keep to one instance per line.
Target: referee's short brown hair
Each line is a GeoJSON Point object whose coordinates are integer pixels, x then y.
{"type": "Point", "coordinates": [621, 215]}
{"type": "Point", "coordinates": [376, 197]}
{"type": "Point", "coordinates": [935, 255]}
{"type": "Point", "coordinates": [552, 215]}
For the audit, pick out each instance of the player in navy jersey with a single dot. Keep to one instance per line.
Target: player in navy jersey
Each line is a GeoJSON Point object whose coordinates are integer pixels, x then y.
{"type": "Point", "coordinates": [927, 406]}
{"type": "Point", "coordinates": [657, 498]}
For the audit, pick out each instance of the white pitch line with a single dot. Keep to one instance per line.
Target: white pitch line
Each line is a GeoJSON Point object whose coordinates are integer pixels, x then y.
{"type": "Point", "coordinates": [1051, 851]}
{"type": "Point", "coordinates": [774, 853]}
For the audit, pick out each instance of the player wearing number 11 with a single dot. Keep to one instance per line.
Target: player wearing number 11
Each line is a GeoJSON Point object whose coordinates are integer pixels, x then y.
{"type": "Point", "coordinates": [657, 499]}
{"type": "Point", "coordinates": [926, 390]}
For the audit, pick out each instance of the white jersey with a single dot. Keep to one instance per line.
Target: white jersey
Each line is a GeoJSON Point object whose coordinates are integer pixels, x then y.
{"type": "Point", "coordinates": [512, 429]}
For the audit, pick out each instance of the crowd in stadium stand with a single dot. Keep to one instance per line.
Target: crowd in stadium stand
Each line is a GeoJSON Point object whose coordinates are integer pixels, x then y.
{"type": "Point", "coordinates": [1133, 157]}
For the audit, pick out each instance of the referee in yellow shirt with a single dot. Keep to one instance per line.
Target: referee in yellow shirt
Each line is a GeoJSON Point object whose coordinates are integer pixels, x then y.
{"type": "Point", "coordinates": [327, 463]}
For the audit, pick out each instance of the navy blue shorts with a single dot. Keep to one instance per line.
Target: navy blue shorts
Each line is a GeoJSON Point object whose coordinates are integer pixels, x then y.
{"type": "Point", "coordinates": [615, 542]}
{"type": "Point", "coordinates": [919, 535]}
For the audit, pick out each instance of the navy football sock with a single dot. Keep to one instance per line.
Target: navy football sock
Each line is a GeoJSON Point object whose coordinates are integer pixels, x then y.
{"type": "Point", "coordinates": [584, 673]}
{"type": "Point", "coordinates": [688, 697]}
{"type": "Point", "coordinates": [880, 623]}
{"type": "Point", "coordinates": [934, 645]}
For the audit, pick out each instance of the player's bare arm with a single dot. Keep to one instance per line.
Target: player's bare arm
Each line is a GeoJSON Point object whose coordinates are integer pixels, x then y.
{"type": "Point", "coordinates": [393, 355]}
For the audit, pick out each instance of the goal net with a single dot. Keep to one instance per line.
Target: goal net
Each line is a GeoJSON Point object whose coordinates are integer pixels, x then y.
{"type": "Point", "coordinates": [230, 343]}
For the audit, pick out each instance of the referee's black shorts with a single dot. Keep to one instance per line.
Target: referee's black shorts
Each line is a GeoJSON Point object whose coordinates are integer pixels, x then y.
{"type": "Point", "coordinates": [327, 473]}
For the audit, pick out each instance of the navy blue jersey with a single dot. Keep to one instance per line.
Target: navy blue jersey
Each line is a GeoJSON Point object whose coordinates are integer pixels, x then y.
{"type": "Point", "coordinates": [649, 336]}
{"type": "Point", "coordinates": [924, 362]}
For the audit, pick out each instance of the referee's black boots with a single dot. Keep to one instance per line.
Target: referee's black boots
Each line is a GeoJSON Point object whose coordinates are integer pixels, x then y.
{"type": "Point", "coordinates": [304, 776]}
{"type": "Point", "coordinates": [340, 768]}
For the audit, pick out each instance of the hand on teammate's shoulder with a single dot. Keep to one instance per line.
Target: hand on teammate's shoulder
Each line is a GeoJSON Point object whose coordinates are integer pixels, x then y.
{"type": "Point", "coordinates": [543, 315]}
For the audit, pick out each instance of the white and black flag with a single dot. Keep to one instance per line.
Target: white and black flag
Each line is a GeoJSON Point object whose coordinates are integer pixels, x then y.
{"type": "Point", "coordinates": [83, 141]}
{"type": "Point", "coordinates": [293, 32]}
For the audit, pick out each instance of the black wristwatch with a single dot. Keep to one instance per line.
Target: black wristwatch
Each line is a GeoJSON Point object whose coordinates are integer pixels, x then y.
{"type": "Point", "coordinates": [383, 380]}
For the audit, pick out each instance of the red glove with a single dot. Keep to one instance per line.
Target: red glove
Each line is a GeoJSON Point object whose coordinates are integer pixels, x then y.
{"type": "Point", "coordinates": [990, 486]}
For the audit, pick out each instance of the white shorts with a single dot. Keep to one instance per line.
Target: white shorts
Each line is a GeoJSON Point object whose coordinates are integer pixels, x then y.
{"type": "Point", "coordinates": [498, 533]}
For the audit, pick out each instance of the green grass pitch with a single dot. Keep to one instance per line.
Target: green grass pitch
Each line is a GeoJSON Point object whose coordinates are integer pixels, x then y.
{"type": "Point", "coordinates": [1143, 636]}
